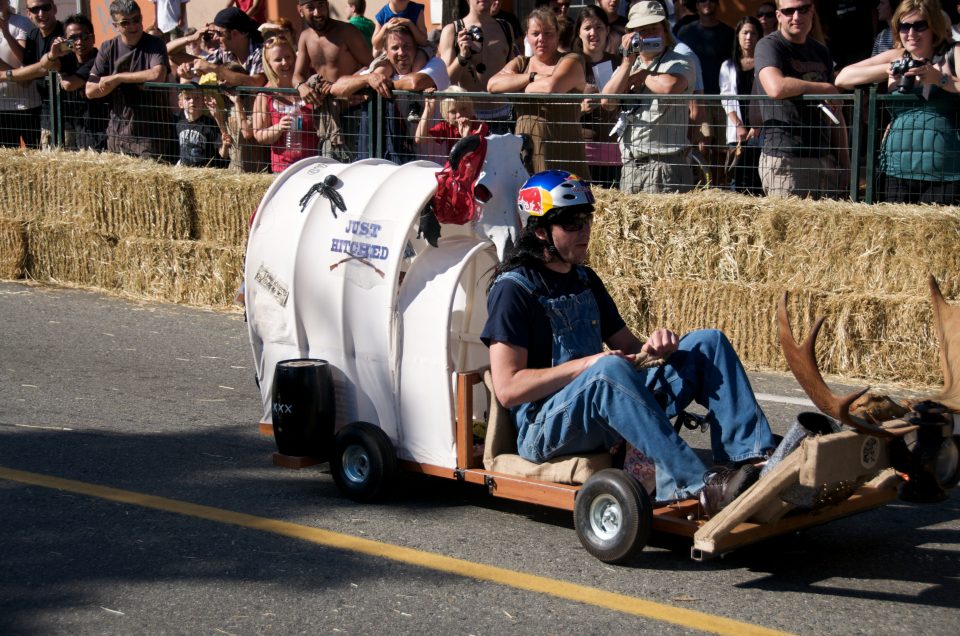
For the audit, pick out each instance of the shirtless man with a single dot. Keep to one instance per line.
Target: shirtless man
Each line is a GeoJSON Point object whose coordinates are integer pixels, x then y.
{"type": "Point", "coordinates": [327, 50]}
{"type": "Point", "coordinates": [471, 64]}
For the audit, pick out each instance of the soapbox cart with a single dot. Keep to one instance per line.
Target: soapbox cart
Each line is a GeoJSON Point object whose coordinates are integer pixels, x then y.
{"type": "Point", "coordinates": [367, 349]}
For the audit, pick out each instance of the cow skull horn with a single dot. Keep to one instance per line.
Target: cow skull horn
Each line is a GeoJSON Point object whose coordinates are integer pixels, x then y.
{"type": "Point", "coordinates": [946, 322]}
{"type": "Point", "coordinates": [802, 360]}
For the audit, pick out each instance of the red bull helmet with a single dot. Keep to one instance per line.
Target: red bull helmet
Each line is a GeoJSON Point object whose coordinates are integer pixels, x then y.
{"type": "Point", "coordinates": [552, 191]}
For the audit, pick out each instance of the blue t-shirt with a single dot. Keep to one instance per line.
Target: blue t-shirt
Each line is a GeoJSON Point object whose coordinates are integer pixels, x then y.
{"type": "Point", "coordinates": [516, 317]}
{"type": "Point", "coordinates": [411, 12]}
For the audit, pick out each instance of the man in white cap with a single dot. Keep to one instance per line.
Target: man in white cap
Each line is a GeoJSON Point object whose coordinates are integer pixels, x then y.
{"type": "Point", "coordinates": [654, 135]}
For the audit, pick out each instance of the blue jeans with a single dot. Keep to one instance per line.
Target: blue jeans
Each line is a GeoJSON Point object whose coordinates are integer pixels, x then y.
{"type": "Point", "coordinates": [611, 401]}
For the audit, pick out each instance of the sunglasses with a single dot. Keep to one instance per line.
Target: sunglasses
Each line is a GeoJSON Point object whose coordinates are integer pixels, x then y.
{"type": "Point", "coordinates": [123, 24]}
{"type": "Point", "coordinates": [766, 14]}
{"type": "Point", "coordinates": [40, 7]}
{"type": "Point", "coordinates": [577, 223]}
{"type": "Point", "coordinates": [80, 37]}
{"type": "Point", "coordinates": [918, 27]}
{"type": "Point", "coordinates": [804, 10]}
{"type": "Point", "coordinates": [275, 40]}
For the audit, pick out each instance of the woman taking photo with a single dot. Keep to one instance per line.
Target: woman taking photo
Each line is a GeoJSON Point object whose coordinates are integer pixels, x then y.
{"type": "Point", "coordinates": [282, 120]}
{"type": "Point", "coordinates": [921, 151]}
{"type": "Point", "coordinates": [736, 78]}
{"type": "Point", "coordinates": [552, 126]}
{"type": "Point", "coordinates": [602, 151]}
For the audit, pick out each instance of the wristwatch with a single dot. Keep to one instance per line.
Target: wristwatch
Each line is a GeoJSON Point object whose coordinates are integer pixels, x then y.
{"type": "Point", "coordinates": [8, 74]}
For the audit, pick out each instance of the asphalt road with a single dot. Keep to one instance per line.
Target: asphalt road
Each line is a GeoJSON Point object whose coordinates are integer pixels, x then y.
{"type": "Point", "coordinates": [158, 402]}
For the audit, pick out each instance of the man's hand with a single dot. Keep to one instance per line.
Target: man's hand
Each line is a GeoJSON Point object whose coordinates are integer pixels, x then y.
{"type": "Point", "coordinates": [55, 51]}
{"type": "Point", "coordinates": [108, 83]}
{"type": "Point", "coordinates": [313, 90]}
{"type": "Point", "coordinates": [382, 85]}
{"type": "Point", "coordinates": [661, 343]}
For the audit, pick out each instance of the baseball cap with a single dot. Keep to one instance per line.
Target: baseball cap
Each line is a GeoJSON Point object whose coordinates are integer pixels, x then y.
{"type": "Point", "coordinates": [645, 13]}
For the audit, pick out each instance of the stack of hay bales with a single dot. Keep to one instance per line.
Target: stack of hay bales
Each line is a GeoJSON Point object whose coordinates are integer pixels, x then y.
{"type": "Point", "coordinates": [126, 225]}
{"type": "Point", "coordinates": [714, 259]}
{"type": "Point", "coordinates": [705, 259]}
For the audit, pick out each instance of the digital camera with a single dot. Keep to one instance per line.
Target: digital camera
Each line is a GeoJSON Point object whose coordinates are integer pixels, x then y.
{"type": "Point", "coordinates": [65, 46]}
{"type": "Point", "coordinates": [642, 45]}
{"type": "Point", "coordinates": [901, 66]}
{"type": "Point", "coordinates": [475, 33]}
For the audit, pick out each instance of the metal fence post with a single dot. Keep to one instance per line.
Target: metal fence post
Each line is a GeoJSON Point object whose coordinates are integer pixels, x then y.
{"type": "Point", "coordinates": [855, 145]}
{"type": "Point", "coordinates": [871, 143]}
{"type": "Point", "coordinates": [56, 109]}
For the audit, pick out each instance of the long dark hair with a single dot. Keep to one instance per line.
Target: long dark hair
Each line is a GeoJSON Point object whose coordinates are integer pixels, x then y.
{"type": "Point", "coordinates": [737, 51]}
{"type": "Point", "coordinates": [589, 11]}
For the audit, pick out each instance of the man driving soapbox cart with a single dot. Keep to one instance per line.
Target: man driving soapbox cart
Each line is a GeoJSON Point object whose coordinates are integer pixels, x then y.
{"type": "Point", "coordinates": [370, 346]}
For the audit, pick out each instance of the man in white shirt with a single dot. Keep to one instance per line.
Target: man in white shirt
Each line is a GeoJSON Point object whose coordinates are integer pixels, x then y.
{"type": "Point", "coordinates": [19, 101]}
{"type": "Point", "coordinates": [402, 67]}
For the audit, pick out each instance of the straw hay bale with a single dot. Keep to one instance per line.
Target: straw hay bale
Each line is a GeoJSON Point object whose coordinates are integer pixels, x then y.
{"type": "Point", "coordinates": [826, 245]}
{"type": "Point", "coordinates": [193, 272]}
{"type": "Point", "coordinates": [882, 337]}
{"type": "Point", "coordinates": [225, 202]}
{"type": "Point", "coordinates": [13, 248]}
{"type": "Point", "coordinates": [108, 193]}
{"type": "Point", "coordinates": [65, 253]}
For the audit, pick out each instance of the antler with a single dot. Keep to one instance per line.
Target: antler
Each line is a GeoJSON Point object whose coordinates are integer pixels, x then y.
{"type": "Point", "coordinates": [946, 321]}
{"type": "Point", "coordinates": [802, 360]}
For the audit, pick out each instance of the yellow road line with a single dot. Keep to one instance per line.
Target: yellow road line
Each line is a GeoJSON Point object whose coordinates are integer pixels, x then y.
{"type": "Point", "coordinates": [501, 576]}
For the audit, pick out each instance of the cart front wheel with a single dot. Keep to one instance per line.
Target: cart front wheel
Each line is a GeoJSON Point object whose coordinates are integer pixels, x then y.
{"type": "Point", "coordinates": [363, 463]}
{"type": "Point", "coordinates": [613, 516]}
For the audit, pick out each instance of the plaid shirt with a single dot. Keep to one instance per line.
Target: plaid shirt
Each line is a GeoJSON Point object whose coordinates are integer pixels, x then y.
{"type": "Point", "coordinates": [253, 64]}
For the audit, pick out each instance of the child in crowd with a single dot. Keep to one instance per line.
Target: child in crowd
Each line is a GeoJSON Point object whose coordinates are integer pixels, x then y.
{"type": "Point", "coordinates": [395, 13]}
{"type": "Point", "coordinates": [356, 9]}
{"type": "Point", "coordinates": [458, 120]}
{"type": "Point", "coordinates": [203, 139]}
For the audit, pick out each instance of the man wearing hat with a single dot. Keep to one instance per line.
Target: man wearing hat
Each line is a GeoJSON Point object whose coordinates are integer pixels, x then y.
{"type": "Point", "coordinates": [240, 43]}
{"type": "Point", "coordinates": [654, 131]}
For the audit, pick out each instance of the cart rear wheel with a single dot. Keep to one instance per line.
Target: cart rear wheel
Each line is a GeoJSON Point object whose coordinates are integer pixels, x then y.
{"type": "Point", "coordinates": [363, 463]}
{"type": "Point", "coordinates": [613, 516]}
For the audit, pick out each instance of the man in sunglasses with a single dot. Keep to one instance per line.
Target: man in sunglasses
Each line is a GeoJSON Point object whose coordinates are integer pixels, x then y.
{"type": "Point", "coordinates": [19, 102]}
{"type": "Point", "coordinates": [239, 42]}
{"type": "Point", "coordinates": [140, 122]}
{"type": "Point", "coordinates": [805, 149]}
{"type": "Point", "coordinates": [549, 317]}
{"type": "Point", "coordinates": [84, 120]}
{"type": "Point", "coordinates": [37, 62]}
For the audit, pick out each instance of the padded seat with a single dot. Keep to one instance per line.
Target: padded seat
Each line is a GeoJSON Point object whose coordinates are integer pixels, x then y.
{"type": "Point", "coordinates": [500, 451]}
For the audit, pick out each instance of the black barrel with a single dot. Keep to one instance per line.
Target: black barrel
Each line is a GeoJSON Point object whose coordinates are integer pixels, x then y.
{"type": "Point", "coordinates": [304, 408]}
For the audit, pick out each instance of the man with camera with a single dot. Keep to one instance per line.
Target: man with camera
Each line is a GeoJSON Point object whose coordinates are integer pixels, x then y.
{"type": "Point", "coordinates": [19, 101]}
{"type": "Point", "coordinates": [474, 49]}
{"type": "Point", "coordinates": [805, 149]}
{"type": "Point", "coordinates": [237, 41]}
{"type": "Point", "coordinates": [653, 132]}
{"type": "Point", "coordinates": [38, 59]}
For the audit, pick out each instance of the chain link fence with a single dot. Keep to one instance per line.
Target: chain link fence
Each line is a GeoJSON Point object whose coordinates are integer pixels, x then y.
{"type": "Point", "coordinates": [864, 146]}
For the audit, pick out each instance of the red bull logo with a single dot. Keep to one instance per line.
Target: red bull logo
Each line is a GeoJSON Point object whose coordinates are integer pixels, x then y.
{"type": "Point", "coordinates": [535, 201]}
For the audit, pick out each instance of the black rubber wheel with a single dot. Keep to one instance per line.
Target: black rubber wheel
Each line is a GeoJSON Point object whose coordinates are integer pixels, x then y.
{"type": "Point", "coordinates": [613, 516]}
{"type": "Point", "coordinates": [364, 463]}
{"type": "Point", "coordinates": [948, 464]}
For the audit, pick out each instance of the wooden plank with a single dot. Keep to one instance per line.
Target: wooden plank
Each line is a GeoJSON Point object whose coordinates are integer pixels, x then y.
{"type": "Point", "coordinates": [464, 421]}
{"type": "Point", "coordinates": [295, 461]}
{"type": "Point", "coordinates": [865, 498]}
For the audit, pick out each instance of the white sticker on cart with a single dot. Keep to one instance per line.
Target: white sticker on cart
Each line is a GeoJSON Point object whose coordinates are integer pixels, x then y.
{"type": "Point", "coordinates": [869, 451]}
{"type": "Point", "coordinates": [360, 251]}
{"type": "Point", "coordinates": [277, 288]}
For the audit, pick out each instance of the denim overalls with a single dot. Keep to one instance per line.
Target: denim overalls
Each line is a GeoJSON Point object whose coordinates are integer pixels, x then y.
{"type": "Point", "coordinates": [611, 400]}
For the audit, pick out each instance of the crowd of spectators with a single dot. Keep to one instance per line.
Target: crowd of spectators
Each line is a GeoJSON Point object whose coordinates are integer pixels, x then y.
{"type": "Point", "coordinates": [761, 138]}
